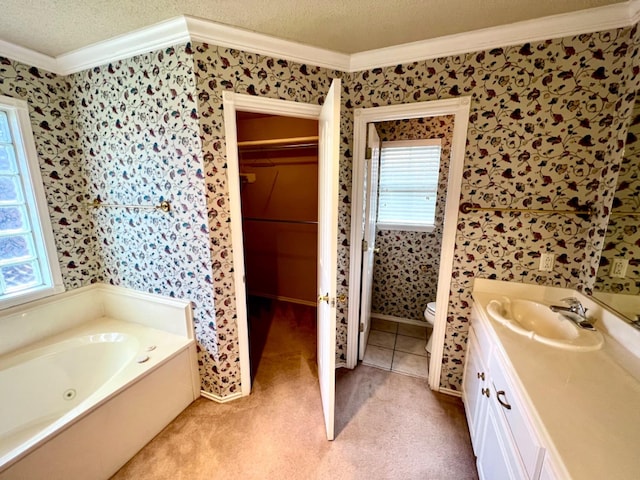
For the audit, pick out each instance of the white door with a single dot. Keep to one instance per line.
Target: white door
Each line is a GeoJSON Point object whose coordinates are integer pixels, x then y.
{"type": "Point", "coordinates": [372, 170]}
{"type": "Point", "coordinates": [328, 168]}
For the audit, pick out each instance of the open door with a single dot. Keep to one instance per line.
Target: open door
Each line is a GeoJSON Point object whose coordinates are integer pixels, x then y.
{"type": "Point", "coordinates": [372, 169]}
{"type": "Point", "coordinates": [328, 168]}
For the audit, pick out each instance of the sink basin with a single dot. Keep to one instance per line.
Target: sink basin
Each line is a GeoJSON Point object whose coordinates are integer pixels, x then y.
{"type": "Point", "coordinates": [537, 322]}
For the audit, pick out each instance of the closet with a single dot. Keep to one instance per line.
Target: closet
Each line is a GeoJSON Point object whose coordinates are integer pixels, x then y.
{"type": "Point", "coordinates": [278, 159]}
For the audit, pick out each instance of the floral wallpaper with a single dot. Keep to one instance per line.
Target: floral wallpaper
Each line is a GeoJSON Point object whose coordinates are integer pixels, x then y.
{"type": "Point", "coordinates": [137, 124]}
{"type": "Point", "coordinates": [50, 104]}
{"type": "Point", "coordinates": [545, 126]}
{"type": "Point", "coordinates": [623, 233]}
{"type": "Point", "coordinates": [217, 70]}
{"type": "Point", "coordinates": [405, 273]}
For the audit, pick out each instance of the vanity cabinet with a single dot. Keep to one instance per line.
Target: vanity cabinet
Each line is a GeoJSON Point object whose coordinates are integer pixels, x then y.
{"type": "Point", "coordinates": [504, 439]}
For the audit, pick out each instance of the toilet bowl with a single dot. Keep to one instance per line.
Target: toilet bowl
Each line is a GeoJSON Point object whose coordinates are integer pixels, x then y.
{"type": "Point", "coordinates": [429, 316]}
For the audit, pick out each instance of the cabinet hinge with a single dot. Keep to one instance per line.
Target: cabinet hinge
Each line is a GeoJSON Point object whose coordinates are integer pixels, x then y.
{"type": "Point", "coordinates": [368, 154]}
{"type": "Point", "coordinates": [362, 327]}
{"type": "Point", "coordinates": [365, 245]}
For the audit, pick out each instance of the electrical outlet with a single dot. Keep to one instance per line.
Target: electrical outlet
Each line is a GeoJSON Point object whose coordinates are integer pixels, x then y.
{"type": "Point", "coordinates": [546, 262]}
{"type": "Point", "coordinates": [618, 268]}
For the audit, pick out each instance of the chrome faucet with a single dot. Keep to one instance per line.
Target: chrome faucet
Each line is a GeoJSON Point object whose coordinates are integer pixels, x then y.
{"type": "Point", "coordinates": [575, 312]}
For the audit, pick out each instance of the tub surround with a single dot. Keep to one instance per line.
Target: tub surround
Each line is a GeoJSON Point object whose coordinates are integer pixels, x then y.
{"type": "Point", "coordinates": [25, 325]}
{"type": "Point", "coordinates": [582, 406]}
{"type": "Point", "coordinates": [144, 348]}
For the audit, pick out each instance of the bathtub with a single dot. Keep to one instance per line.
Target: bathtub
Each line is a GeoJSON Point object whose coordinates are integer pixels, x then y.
{"type": "Point", "coordinates": [79, 402]}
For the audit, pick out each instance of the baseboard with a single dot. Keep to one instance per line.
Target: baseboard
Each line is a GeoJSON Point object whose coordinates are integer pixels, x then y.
{"type": "Point", "coordinates": [449, 391]}
{"type": "Point", "coordinates": [283, 299]}
{"type": "Point", "coordinates": [219, 399]}
{"type": "Point", "coordinates": [392, 318]}
{"type": "Point", "coordinates": [341, 365]}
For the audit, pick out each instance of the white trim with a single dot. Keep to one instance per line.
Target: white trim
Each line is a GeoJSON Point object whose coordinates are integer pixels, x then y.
{"type": "Point", "coordinates": [36, 203]}
{"type": "Point", "coordinates": [233, 102]}
{"type": "Point", "coordinates": [185, 28]}
{"type": "Point", "coordinates": [448, 391]}
{"type": "Point", "coordinates": [28, 56]}
{"type": "Point", "coordinates": [634, 12]}
{"type": "Point", "coordinates": [459, 107]}
{"type": "Point", "coordinates": [237, 244]}
{"type": "Point", "coordinates": [232, 37]}
{"type": "Point", "coordinates": [145, 40]}
{"type": "Point", "coordinates": [555, 26]}
{"type": "Point", "coordinates": [218, 398]}
{"type": "Point", "coordinates": [393, 318]}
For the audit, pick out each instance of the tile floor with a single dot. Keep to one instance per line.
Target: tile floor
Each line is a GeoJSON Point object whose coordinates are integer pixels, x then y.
{"type": "Point", "coordinates": [397, 347]}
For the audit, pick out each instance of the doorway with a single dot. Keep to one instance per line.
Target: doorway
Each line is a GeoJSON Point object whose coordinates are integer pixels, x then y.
{"type": "Point", "coordinates": [363, 253]}
{"type": "Point", "coordinates": [328, 118]}
{"type": "Point", "coordinates": [278, 163]}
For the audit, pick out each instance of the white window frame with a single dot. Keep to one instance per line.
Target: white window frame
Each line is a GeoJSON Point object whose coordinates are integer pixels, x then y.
{"type": "Point", "coordinates": [422, 227]}
{"type": "Point", "coordinates": [36, 204]}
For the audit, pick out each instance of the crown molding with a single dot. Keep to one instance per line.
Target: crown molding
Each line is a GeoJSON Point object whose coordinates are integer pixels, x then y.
{"type": "Point", "coordinates": [555, 26]}
{"type": "Point", "coordinates": [28, 56]}
{"type": "Point", "coordinates": [145, 40]}
{"type": "Point", "coordinates": [183, 29]}
{"type": "Point", "coordinates": [634, 11]}
{"type": "Point", "coordinates": [231, 37]}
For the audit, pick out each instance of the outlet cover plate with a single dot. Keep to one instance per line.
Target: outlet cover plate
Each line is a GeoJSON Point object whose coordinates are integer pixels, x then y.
{"type": "Point", "coordinates": [619, 268]}
{"type": "Point", "coordinates": [546, 262]}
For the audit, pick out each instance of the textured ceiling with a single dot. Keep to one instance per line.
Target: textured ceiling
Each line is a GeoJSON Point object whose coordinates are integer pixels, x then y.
{"type": "Point", "coordinates": [54, 27]}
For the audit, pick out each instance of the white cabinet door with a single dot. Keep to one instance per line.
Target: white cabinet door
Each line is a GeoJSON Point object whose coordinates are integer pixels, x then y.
{"type": "Point", "coordinates": [475, 387]}
{"type": "Point", "coordinates": [497, 459]}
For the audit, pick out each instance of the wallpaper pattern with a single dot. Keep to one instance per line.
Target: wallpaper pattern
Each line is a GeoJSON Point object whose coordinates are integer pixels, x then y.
{"type": "Point", "coordinates": [137, 123]}
{"type": "Point", "coordinates": [61, 167]}
{"type": "Point", "coordinates": [623, 232]}
{"type": "Point", "coordinates": [405, 273]}
{"type": "Point", "coordinates": [218, 70]}
{"type": "Point", "coordinates": [545, 132]}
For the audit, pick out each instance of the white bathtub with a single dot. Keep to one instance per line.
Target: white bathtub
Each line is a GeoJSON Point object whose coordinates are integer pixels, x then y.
{"type": "Point", "coordinates": [83, 401]}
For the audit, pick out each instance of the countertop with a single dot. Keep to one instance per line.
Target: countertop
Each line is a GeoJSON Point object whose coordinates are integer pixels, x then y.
{"type": "Point", "coordinates": [586, 405]}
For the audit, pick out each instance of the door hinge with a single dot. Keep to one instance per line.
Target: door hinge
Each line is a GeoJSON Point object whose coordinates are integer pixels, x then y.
{"type": "Point", "coordinates": [365, 245]}
{"type": "Point", "coordinates": [362, 327]}
{"type": "Point", "coordinates": [368, 154]}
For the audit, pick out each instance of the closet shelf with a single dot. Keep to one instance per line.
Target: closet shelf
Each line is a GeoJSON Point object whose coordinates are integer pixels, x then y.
{"type": "Point", "coordinates": [281, 142]}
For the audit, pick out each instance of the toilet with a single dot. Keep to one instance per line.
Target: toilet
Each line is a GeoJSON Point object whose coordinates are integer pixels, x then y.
{"type": "Point", "coordinates": [429, 316]}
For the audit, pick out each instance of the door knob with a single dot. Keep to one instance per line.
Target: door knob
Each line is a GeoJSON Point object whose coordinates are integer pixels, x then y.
{"type": "Point", "coordinates": [323, 298]}
{"type": "Point", "coordinates": [376, 250]}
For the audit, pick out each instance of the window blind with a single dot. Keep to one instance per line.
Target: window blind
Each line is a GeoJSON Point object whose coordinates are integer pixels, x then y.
{"type": "Point", "coordinates": [408, 187]}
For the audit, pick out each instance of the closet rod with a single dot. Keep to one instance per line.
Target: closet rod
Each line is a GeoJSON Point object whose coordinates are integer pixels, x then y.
{"type": "Point", "coordinates": [294, 141]}
{"type": "Point", "coordinates": [277, 220]}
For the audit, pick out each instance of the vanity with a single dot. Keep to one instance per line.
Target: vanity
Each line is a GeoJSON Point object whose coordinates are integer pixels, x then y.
{"type": "Point", "coordinates": [565, 409]}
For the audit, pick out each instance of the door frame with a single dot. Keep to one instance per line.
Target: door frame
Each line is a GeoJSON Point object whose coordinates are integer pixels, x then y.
{"type": "Point", "coordinates": [460, 108]}
{"type": "Point", "coordinates": [232, 103]}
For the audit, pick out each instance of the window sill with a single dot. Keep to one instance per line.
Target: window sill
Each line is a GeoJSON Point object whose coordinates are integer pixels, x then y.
{"type": "Point", "coordinates": [29, 296]}
{"type": "Point", "coordinates": [406, 228]}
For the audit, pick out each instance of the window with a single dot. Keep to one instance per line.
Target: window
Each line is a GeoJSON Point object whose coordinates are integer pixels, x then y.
{"type": "Point", "coordinates": [28, 264]}
{"type": "Point", "coordinates": [408, 187]}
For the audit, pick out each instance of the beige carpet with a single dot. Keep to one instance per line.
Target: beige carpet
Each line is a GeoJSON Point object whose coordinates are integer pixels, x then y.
{"type": "Point", "coordinates": [389, 426]}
